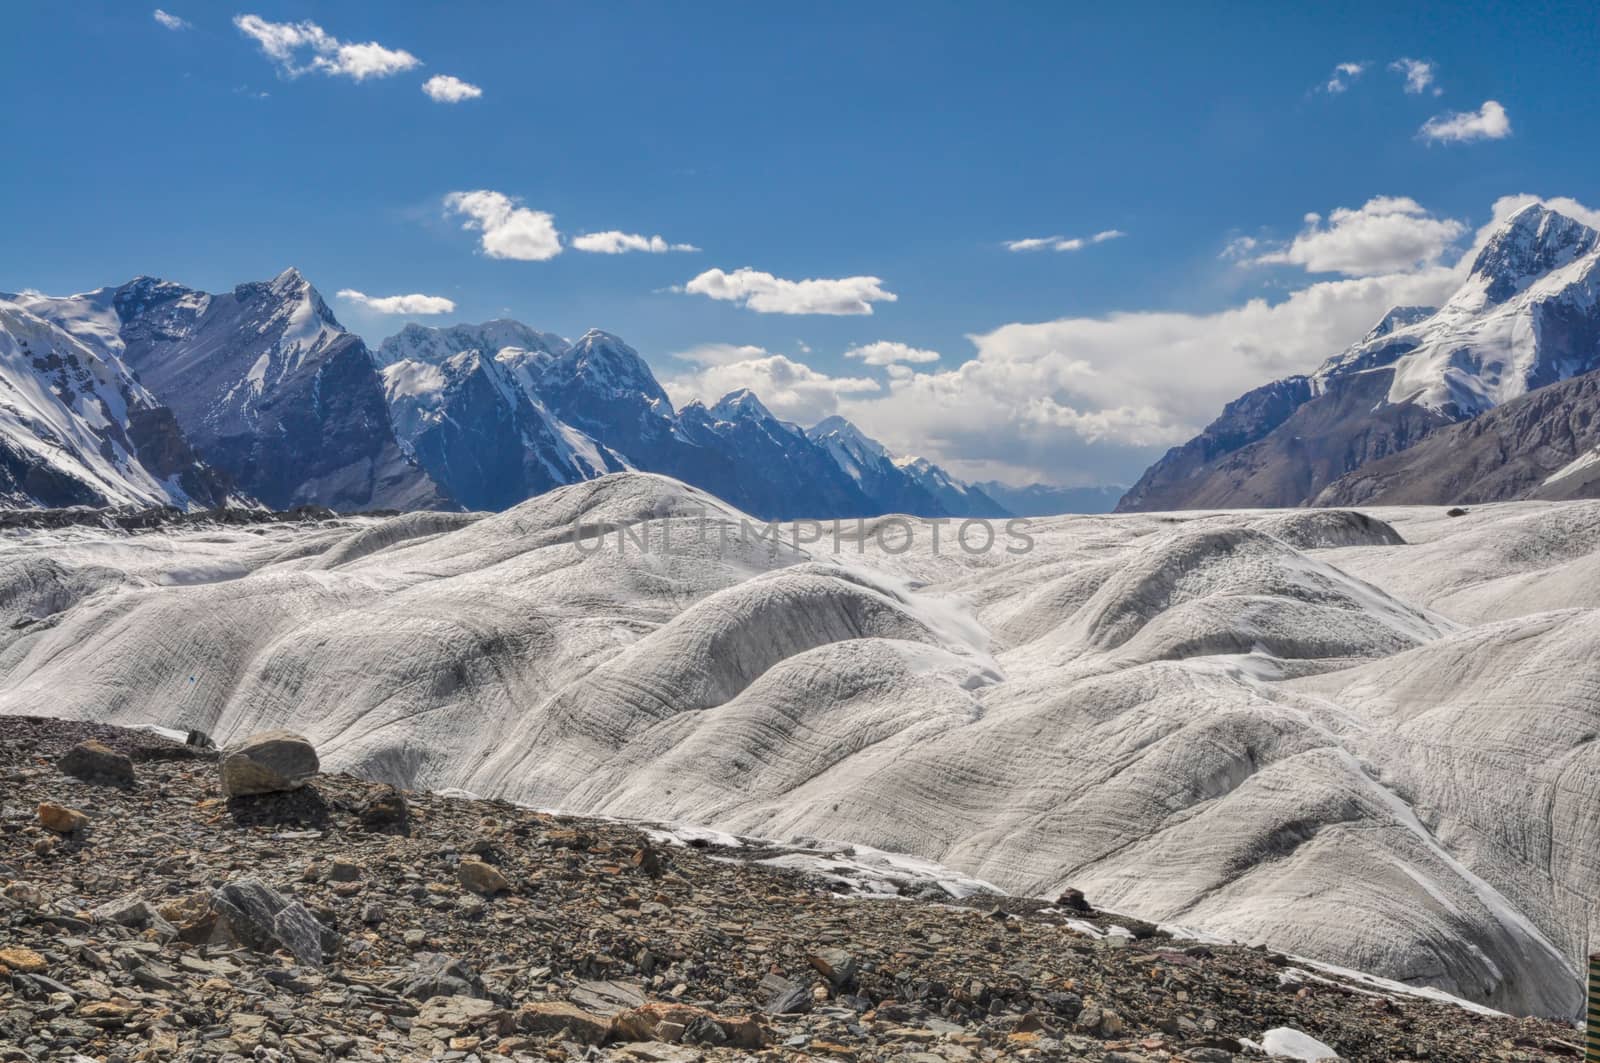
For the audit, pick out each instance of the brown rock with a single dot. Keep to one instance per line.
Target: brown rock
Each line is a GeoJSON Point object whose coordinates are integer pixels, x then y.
{"type": "Point", "coordinates": [646, 1024]}
{"type": "Point", "coordinates": [192, 915]}
{"type": "Point", "coordinates": [554, 1017]}
{"type": "Point", "coordinates": [107, 1013]}
{"type": "Point", "coordinates": [24, 960]}
{"type": "Point", "coordinates": [62, 820]}
{"type": "Point", "coordinates": [482, 878]}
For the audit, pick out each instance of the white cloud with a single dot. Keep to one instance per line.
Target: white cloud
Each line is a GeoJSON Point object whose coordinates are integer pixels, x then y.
{"type": "Point", "coordinates": [1097, 399]}
{"type": "Point", "coordinates": [888, 352]}
{"type": "Point", "coordinates": [172, 22]}
{"type": "Point", "coordinates": [1342, 75]}
{"type": "Point", "coordinates": [1489, 122]}
{"type": "Point", "coordinates": [792, 390]}
{"type": "Point", "coordinates": [1238, 248]}
{"type": "Point", "coordinates": [1063, 243]}
{"type": "Point", "coordinates": [766, 294]}
{"type": "Point", "coordinates": [1100, 398]}
{"type": "Point", "coordinates": [399, 304]}
{"type": "Point", "coordinates": [442, 88]}
{"type": "Point", "coordinates": [508, 230]}
{"type": "Point", "coordinates": [1418, 74]}
{"type": "Point", "coordinates": [1387, 234]}
{"type": "Point", "coordinates": [305, 47]}
{"type": "Point", "coordinates": [613, 242]}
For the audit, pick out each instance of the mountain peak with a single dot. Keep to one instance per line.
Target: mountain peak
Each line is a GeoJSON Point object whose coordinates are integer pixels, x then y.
{"type": "Point", "coordinates": [741, 405]}
{"type": "Point", "coordinates": [605, 360]}
{"type": "Point", "coordinates": [1399, 317]}
{"type": "Point", "coordinates": [840, 431]}
{"type": "Point", "coordinates": [1529, 244]}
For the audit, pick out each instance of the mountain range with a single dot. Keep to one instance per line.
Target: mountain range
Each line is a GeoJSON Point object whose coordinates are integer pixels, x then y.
{"type": "Point", "coordinates": [156, 393]}
{"type": "Point", "coordinates": [1484, 398]}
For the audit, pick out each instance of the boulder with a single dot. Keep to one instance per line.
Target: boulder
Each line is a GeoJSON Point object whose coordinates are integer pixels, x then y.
{"type": "Point", "coordinates": [482, 878]}
{"type": "Point", "coordinates": [251, 913]}
{"type": "Point", "coordinates": [550, 1017]}
{"type": "Point", "coordinates": [96, 762]}
{"type": "Point", "coordinates": [267, 763]}
{"type": "Point", "coordinates": [836, 965]}
{"type": "Point", "coordinates": [62, 820]}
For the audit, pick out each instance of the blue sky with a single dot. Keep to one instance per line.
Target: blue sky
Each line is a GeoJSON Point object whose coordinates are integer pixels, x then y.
{"type": "Point", "coordinates": [904, 142]}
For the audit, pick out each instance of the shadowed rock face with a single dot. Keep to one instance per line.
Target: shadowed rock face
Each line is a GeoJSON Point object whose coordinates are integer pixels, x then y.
{"type": "Point", "coordinates": [1532, 447]}
{"type": "Point", "coordinates": [1323, 438]}
{"type": "Point", "coordinates": [1257, 723]}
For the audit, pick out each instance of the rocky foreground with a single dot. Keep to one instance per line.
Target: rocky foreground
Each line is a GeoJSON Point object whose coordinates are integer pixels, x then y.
{"type": "Point", "coordinates": [145, 916]}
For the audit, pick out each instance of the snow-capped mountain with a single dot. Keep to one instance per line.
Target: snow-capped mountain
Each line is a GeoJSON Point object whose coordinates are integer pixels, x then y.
{"type": "Point", "coordinates": [471, 426]}
{"type": "Point", "coordinates": [956, 497]}
{"type": "Point", "coordinates": [276, 394]}
{"type": "Point", "coordinates": [1527, 316]}
{"type": "Point", "coordinates": [496, 409]}
{"type": "Point", "coordinates": [901, 485]}
{"type": "Point", "coordinates": [770, 462]}
{"type": "Point", "coordinates": [76, 429]}
{"type": "Point", "coordinates": [265, 382]}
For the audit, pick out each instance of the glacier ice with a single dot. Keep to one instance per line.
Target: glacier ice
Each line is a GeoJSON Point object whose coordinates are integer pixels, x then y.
{"type": "Point", "coordinates": [1364, 738]}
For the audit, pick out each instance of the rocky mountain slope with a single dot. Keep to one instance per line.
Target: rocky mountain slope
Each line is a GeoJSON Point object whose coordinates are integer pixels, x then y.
{"type": "Point", "coordinates": [1545, 444]}
{"type": "Point", "coordinates": [145, 914]}
{"type": "Point", "coordinates": [1527, 316]}
{"type": "Point", "coordinates": [1253, 723]}
{"type": "Point", "coordinates": [76, 429]}
{"type": "Point", "coordinates": [264, 381]}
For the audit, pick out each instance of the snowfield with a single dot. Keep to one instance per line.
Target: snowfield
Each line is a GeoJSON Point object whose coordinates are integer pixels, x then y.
{"type": "Point", "coordinates": [1363, 738]}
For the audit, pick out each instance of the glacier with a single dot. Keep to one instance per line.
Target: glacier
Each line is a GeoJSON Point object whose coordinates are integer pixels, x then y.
{"type": "Point", "coordinates": [1366, 738]}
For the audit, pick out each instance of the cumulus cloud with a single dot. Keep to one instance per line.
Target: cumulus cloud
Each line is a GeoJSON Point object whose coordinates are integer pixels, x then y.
{"type": "Point", "coordinates": [507, 230]}
{"type": "Point", "coordinates": [1489, 122]}
{"type": "Point", "coordinates": [1100, 398]}
{"type": "Point", "coordinates": [767, 294]}
{"type": "Point", "coordinates": [1386, 234]}
{"type": "Point", "coordinates": [399, 304]}
{"type": "Point", "coordinates": [305, 47]}
{"type": "Point", "coordinates": [888, 352]}
{"type": "Point", "coordinates": [442, 88]}
{"type": "Point", "coordinates": [1063, 243]}
{"type": "Point", "coordinates": [1342, 75]}
{"type": "Point", "coordinates": [172, 22]}
{"type": "Point", "coordinates": [792, 390]}
{"type": "Point", "coordinates": [613, 242]}
{"type": "Point", "coordinates": [1418, 74]}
